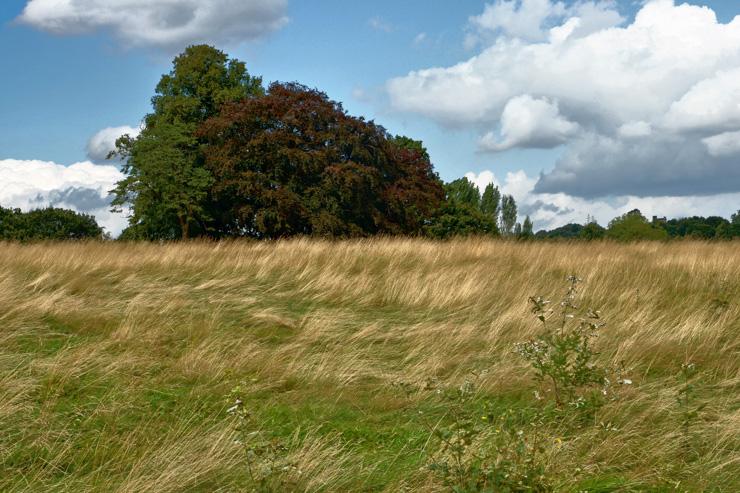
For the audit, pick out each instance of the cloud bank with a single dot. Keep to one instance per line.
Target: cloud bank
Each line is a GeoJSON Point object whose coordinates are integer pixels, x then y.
{"type": "Point", "coordinates": [82, 187]}
{"type": "Point", "coordinates": [648, 108]}
{"type": "Point", "coordinates": [169, 24]}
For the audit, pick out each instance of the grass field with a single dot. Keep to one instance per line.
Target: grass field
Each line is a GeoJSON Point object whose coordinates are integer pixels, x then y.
{"type": "Point", "coordinates": [118, 362]}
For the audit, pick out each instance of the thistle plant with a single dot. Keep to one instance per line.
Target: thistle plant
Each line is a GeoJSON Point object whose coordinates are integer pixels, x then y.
{"type": "Point", "coordinates": [562, 355]}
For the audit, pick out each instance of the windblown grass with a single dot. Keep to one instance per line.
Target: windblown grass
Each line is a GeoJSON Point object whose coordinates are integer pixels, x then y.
{"type": "Point", "coordinates": [116, 360]}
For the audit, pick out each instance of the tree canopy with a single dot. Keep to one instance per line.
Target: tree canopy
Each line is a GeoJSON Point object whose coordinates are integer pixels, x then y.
{"type": "Point", "coordinates": [464, 212]}
{"type": "Point", "coordinates": [47, 224]}
{"type": "Point", "coordinates": [166, 184]}
{"type": "Point", "coordinates": [634, 226]}
{"type": "Point", "coordinates": [508, 214]}
{"type": "Point", "coordinates": [293, 162]}
{"type": "Point", "coordinates": [490, 200]}
{"type": "Point", "coordinates": [592, 231]}
{"type": "Point", "coordinates": [463, 191]}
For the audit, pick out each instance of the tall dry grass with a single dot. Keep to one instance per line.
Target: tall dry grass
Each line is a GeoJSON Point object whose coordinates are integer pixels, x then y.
{"type": "Point", "coordinates": [115, 358]}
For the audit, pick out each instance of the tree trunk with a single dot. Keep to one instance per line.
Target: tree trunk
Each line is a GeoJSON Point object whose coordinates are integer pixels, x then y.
{"type": "Point", "coordinates": [184, 226]}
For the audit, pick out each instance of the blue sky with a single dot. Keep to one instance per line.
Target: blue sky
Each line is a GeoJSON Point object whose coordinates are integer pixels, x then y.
{"type": "Point", "coordinates": [64, 80]}
{"type": "Point", "coordinates": [58, 91]}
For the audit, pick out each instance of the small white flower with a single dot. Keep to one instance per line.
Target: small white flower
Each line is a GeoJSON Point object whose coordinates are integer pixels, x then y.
{"type": "Point", "coordinates": [626, 381]}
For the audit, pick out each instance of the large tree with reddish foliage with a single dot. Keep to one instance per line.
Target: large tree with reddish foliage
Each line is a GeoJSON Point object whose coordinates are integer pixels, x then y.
{"type": "Point", "coordinates": [294, 162]}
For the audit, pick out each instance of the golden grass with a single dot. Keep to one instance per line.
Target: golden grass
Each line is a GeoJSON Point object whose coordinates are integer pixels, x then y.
{"type": "Point", "coordinates": [115, 359]}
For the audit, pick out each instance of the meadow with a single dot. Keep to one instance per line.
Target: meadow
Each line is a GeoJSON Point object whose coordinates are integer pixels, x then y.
{"type": "Point", "coordinates": [306, 365]}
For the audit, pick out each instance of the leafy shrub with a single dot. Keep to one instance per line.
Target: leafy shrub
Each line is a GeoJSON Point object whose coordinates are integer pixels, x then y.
{"type": "Point", "coordinates": [563, 356]}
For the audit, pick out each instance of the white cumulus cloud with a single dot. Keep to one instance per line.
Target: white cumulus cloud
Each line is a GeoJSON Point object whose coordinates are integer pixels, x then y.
{"type": "Point", "coordinates": [162, 23]}
{"type": "Point", "coordinates": [635, 99]}
{"type": "Point", "coordinates": [712, 103]}
{"type": "Point", "coordinates": [104, 142]}
{"type": "Point", "coordinates": [530, 122]}
{"type": "Point", "coordinates": [535, 20]}
{"type": "Point", "coordinates": [82, 187]}
{"type": "Point", "coordinates": [724, 144]}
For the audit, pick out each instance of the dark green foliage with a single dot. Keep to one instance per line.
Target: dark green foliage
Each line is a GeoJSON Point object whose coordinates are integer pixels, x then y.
{"type": "Point", "coordinates": [724, 231]}
{"type": "Point", "coordinates": [220, 157]}
{"type": "Point", "coordinates": [491, 201]}
{"type": "Point", "coordinates": [592, 231]}
{"type": "Point", "coordinates": [735, 225]}
{"type": "Point", "coordinates": [569, 231]}
{"type": "Point", "coordinates": [201, 81]}
{"type": "Point", "coordinates": [463, 191]}
{"type": "Point", "coordinates": [699, 227]}
{"type": "Point", "coordinates": [633, 226]}
{"type": "Point", "coordinates": [464, 212]}
{"type": "Point", "coordinates": [508, 214]}
{"type": "Point", "coordinates": [527, 229]}
{"type": "Point", "coordinates": [455, 219]}
{"type": "Point", "coordinates": [9, 223]}
{"type": "Point", "coordinates": [166, 183]}
{"type": "Point", "coordinates": [47, 224]}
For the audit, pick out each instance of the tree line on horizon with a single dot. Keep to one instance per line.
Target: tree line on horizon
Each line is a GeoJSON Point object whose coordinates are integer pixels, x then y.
{"type": "Point", "coordinates": [222, 156]}
{"type": "Point", "coordinates": [47, 224]}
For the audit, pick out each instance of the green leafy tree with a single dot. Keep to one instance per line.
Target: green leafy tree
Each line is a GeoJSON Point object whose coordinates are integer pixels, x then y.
{"type": "Point", "coordinates": [164, 181]}
{"type": "Point", "coordinates": [463, 191]}
{"type": "Point", "coordinates": [696, 227]}
{"type": "Point", "coordinates": [455, 219]}
{"type": "Point", "coordinates": [166, 185]}
{"type": "Point", "coordinates": [491, 201]}
{"type": "Point", "coordinates": [47, 224]}
{"type": "Point", "coordinates": [735, 224]}
{"type": "Point", "coordinates": [527, 228]}
{"type": "Point", "coordinates": [9, 223]}
{"type": "Point", "coordinates": [723, 231]}
{"type": "Point", "coordinates": [633, 226]}
{"type": "Point", "coordinates": [508, 214]}
{"type": "Point", "coordinates": [592, 231]}
{"type": "Point", "coordinates": [202, 80]}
